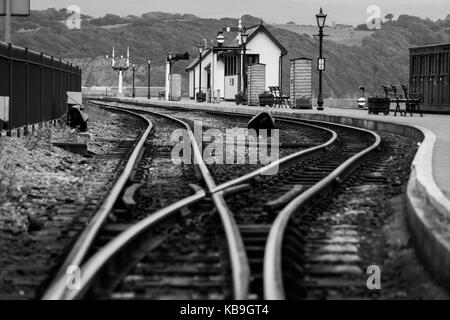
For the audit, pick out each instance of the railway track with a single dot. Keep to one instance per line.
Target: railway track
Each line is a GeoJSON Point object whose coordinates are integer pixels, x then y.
{"type": "Point", "coordinates": [100, 230]}
{"type": "Point", "coordinates": [338, 231]}
{"type": "Point", "coordinates": [222, 251]}
{"type": "Point", "coordinates": [255, 217]}
{"type": "Point", "coordinates": [293, 137]}
{"type": "Point", "coordinates": [87, 231]}
{"type": "Point", "coordinates": [284, 247]}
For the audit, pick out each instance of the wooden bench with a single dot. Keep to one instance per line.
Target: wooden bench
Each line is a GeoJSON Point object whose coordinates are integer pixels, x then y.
{"type": "Point", "coordinates": [280, 100]}
{"type": "Point", "coordinates": [412, 100]}
{"type": "Point", "coordinates": [394, 97]}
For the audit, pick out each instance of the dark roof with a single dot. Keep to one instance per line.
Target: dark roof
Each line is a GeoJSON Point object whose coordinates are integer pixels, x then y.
{"type": "Point", "coordinates": [430, 46]}
{"type": "Point", "coordinates": [230, 41]}
{"type": "Point", "coordinates": [194, 62]}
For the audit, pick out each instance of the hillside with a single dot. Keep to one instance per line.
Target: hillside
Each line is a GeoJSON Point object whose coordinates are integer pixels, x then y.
{"type": "Point", "coordinates": [341, 36]}
{"type": "Point", "coordinates": [381, 57]}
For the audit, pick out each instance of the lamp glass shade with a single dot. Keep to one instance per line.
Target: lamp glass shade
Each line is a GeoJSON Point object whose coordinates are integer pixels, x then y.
{"type": "Point", "coordinates": [321, 17]}
{"type": "Point", "coordinates": [244, 38]}
{"type": "Point", "coordinates": [170, 56]}
{"type": "Point", "coordinates": [149, 60]}
{"type": "Point", "coordinates": [220, 37]}
{"type": "Point", "coordinates": [200, 48]}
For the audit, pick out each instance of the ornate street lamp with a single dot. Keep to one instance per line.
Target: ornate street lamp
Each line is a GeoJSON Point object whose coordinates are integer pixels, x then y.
{"type": "Point", "coordinates": [244, 38]}
{"type": "Point", "coordinates": [149, 61]}
{"type": "Point", "coordinates": [321, 17]}
{"type": "Point", "coordinates": [134, 88]}
{"type": "Point", "coordinates": [200, 51]}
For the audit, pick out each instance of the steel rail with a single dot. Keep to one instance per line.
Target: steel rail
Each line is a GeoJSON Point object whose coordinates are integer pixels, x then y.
{"type": "Point", "coordinates": [240, 268]}
{"type": "Point", "coordinates": [283, 162]}
{"type": "Point", "coordinates": [272, 272]}
{"type": "Point", "coordinates": [237, 252]}
{"type": "Point", "coordinates": [94, 264]}
{"type": "Point", "coordinates": [239, 263]}
{"type": "Point", "coordinates": [84, 241]}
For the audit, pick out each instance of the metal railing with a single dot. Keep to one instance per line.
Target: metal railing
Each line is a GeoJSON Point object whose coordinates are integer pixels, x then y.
{"type": "Point", "coordinates": [36, 85]}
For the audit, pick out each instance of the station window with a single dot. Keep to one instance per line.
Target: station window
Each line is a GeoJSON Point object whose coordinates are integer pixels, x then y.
{"type": "Point", "coordinates": [231, 65]}
{"type": "Point", "coordinates": [422, 65]}
{"type": "Point", "coordinates": [429, 64]}
{"type": "Point", "coordinates": [438, 63]}
{"type": "Point", "coordinates": [251, 59]}
{"type": "Point", "coordinates": [417, 65]}
{"type": "Point", "coordinates": [446, 63]}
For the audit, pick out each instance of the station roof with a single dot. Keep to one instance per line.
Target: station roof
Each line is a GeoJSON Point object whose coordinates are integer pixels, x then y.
{"type": "Point", "coordinates": [230, 41]}
{"type": "Point", "coordinates": [430, 46]}
{"type": "Point", "coordinates": [253, 31]}
{"type": "Point", "coordinates": [196, 61]}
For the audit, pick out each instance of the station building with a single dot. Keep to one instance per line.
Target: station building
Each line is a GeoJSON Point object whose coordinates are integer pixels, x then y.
{"type": "Point", "coordinates": [222, 70]}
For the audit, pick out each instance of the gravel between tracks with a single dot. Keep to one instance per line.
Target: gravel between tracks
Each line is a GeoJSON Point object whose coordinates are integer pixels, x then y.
{"type": "Point", "coordinates": [222, 172]}
{"type": "Point", "coordinates": [42, 188]}
{"type": "Point", "coordinates": [376, 212]}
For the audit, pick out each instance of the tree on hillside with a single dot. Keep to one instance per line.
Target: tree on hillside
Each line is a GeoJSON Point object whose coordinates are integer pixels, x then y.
{"type": "Point", "coordinates": [362, 27]}
{"type": "Point", "coordinates": [108, 19]}
{"type": "Point", "coordinates": [389, 17]}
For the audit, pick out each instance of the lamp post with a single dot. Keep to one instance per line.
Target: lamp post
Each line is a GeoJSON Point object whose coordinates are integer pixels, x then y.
{"type": "Point", "coordinates": [321, 17]}
{"type": "Point", "coordinates": [200, 50]}
{"type": "Point", "coordinates": [169, 58]}
{"type": "Point", "coordinates": [134, 88]}
{"type": "Point", "coordinates": [8, 21]}
{"type": "Point", "coordinates": [168, 79]}
{"type": "Point", "coordinates": [149, 61]}
{"type": "Point", "coordinates": [244, 38]}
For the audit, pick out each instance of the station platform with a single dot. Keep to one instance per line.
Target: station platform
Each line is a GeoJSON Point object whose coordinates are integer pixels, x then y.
{"type": "Point", "coordinates": [428, 191]}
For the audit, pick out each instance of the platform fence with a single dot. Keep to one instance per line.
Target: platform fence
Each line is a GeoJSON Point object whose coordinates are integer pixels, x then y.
{"type": "Point", "coordinates": [33, 86]}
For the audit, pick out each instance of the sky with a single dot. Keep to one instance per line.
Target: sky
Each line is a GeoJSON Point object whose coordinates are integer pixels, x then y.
{"type": "Point", "coordinates": [279, 11]}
